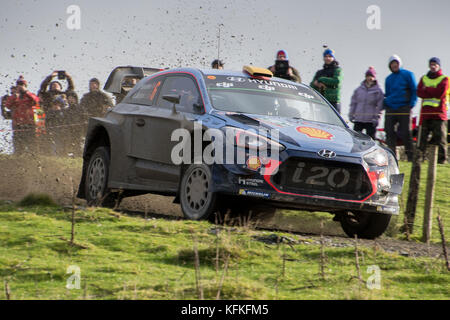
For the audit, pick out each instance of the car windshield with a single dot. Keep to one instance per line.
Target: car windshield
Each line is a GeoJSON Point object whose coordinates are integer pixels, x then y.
{"type": "Point", "coordinates": [268, 97]}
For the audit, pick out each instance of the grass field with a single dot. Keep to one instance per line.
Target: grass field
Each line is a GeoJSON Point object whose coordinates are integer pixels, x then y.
{"type": "Point", "coordinates": [121, 257]}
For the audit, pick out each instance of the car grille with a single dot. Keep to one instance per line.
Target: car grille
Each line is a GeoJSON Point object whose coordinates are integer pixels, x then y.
{"type": "Point", "coordinates": [340, 180]}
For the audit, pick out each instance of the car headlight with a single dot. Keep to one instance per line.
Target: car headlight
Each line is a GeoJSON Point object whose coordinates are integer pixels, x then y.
{"type": "Point", "coordinates": [251, 140]}
{"type": "Point", "coordinates": [377, 157]}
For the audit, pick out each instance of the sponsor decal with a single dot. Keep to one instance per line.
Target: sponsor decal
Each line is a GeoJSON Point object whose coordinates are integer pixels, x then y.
{"type": "Point", "coordinates": [250, 182]}
{"type": "Point", "coordinates": [257, 194]}
{"type": "Point", "coordinates": [236, 79]}
{"type": "Point", "coordinates": [305, 95]}
{"type": "Point", "coordinates": [253, 163]}
{"type": "Point", "coordinates": [224, 84]}
{"type": "Point", "coordinates": [266, 87]}
{"type": "Point", "coordinates": [315, 133]}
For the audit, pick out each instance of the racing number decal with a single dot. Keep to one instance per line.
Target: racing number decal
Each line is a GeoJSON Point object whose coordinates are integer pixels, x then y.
{"type": "Point", "coordinates": [331, 178]}
{"type": "Point", "coordinates": [322, 173]}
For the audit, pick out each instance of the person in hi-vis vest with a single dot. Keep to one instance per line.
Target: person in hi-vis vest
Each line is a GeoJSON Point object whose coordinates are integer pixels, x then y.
{"type": "Point", "coordinates": [433, 88]}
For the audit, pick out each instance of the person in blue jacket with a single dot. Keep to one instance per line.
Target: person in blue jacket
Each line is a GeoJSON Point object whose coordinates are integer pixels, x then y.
{"type": "Point", "coordinates": [400, 98]}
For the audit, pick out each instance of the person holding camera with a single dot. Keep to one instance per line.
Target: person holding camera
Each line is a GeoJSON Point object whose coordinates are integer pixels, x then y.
{"type": "Point", "coordinates": [282, 69]}
{"type": "Point", "coordinates": [217, 64]}
{"type": "Point", "coordinates": [51, 88]}
{"type": "Point", "coordinates": [21, 104]}
{"type": "Point", "coordinates": [328, 81]}
{"type": "Point", "coordinates": [5, 112]}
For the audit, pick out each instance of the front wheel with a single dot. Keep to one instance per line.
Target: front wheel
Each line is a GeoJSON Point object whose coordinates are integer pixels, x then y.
{"type": "Point", "coordinates": [197, 201]}
{"type": "Point", "coordinates": [364, 225]}
{"type": "Point", "coordinates": [96, 185]}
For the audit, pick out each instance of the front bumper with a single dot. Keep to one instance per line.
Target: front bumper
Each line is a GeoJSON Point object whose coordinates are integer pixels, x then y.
{"type": "Point", "coordinates": [261, 186]}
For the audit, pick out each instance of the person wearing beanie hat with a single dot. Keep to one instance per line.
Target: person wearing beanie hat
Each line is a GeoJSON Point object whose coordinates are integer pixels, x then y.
{"type": "Point", "coordinates": [95, 103]}
{"type": "Point", "coordinates": [436, 60]}
{"type": "Point", "coordinates": [51, 88]}
{"type": "Point", "coordinates": [433, 88]}
{"type": "Point", "coordinates": [328, 81]}
{"type": "Point", "coordinates": [329, 52]}
{"type": "Point", "coordinates": [366, 104]}
{"type": "Point", "coordinates": [217, 64]}
{"type": "Point", "coordinates": [22, 105]}
{"type": "Point", "coordinates": [48, 91]}
{"type": "Point", "coordinates": [282, 69]}
{"type": "Point", "coordinates": [400, 98]}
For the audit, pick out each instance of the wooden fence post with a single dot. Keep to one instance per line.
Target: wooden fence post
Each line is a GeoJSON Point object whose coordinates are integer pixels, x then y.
{"type": "Point", "coordinates": [429, 196]}
{"type": "Point", "coordinates": [444, 245]}
{"type": "Point", "coordinates": [413, 194]}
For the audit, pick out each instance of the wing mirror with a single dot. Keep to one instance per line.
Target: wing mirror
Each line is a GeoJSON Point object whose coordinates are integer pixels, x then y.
{"type": "Point", "coordinates": [174, 98]}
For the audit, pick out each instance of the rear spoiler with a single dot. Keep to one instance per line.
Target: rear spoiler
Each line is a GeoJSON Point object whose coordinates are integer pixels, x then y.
{"type": "Point", "coordinates": [114, 82]}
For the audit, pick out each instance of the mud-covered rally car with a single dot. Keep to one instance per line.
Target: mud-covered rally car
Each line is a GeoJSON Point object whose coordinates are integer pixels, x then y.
{"type": "Point", "coordinates": [320, 164]}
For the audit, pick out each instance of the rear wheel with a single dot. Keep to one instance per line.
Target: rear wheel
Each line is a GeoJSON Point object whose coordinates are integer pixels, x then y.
{"type": "Point", "coordinates": [197, 201]}
{"type": "Point", "coordinates": [364, 225]}
{"type": "Point", "coordinates": [96, 185]}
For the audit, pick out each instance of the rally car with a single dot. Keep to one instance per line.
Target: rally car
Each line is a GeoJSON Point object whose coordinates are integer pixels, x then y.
{"type": "Point", "coordinates": [264, 142]}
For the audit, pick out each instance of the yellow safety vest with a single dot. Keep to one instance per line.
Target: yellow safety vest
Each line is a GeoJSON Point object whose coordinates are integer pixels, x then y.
{"type": "Point", "coordinates": [433, 83]}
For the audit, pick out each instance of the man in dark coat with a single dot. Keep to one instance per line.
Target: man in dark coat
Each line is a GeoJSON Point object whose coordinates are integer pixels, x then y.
{"type": "Point", "coordinates": [95, 102]}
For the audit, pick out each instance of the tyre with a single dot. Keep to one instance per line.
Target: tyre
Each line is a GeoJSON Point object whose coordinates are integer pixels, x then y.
{"type": "Point", "coordinates": [197, 201]}
{"type": "Point", "coordinates": [364, 225]}
{"type": "Point", "coordinates": [96, 185]}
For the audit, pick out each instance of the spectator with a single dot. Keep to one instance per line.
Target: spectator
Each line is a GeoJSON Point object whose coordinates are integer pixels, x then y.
{"type": "Point", "coordinates": [56, 129]}
{"type": "Point", "coordinates": [282, 69]}
{"type": "Point", "coordinates": [366, 104]}
{"type": "Point", "coordinates": [50, 89]}
{"type": "Point", "coordinates": [75, 120]}
{"type": "Point", "coordinates": [400, 98]}
{"type": "Point", "coordinates": [21, 105]}
{"type": "Point", "coordinates": [328, 81]}
{"type": "Point", "coordinates": [217, 64]}
{"type": "Point", "coordinates": [433, 88]}
{"type": "Point", "coordinates": [95, 102]}
{"type": "Point", "coordinates": [128, 83]}
{"type": "Point", "coordinates": [5, 112]}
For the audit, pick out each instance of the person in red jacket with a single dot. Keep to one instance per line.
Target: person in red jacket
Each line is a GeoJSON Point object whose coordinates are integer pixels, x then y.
{"type": "Point", "coordinates": [433, 88]}
{"type": "Point", "coordinates": [21, 105]}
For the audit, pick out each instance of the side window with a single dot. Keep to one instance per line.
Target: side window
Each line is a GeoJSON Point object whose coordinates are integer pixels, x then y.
{"type": "Point", "coordinates": [147, 93]}
{"type": "Point", "coordinates": [183, 86]}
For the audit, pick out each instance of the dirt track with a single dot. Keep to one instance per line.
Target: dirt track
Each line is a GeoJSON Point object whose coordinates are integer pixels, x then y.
{"type": "Point", "coordinates": [22, 175]}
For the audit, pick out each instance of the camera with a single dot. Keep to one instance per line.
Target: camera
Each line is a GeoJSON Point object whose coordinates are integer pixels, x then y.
{"type": "Point", "coordinates": [61, 75]}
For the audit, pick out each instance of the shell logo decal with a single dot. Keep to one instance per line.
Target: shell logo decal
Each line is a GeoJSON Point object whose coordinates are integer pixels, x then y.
{"type": "Point", "coordinates": [315, 133]}
{"type": "Point", "coordinates": [253, 163]}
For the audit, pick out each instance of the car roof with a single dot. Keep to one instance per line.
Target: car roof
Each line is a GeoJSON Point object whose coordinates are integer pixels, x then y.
{"type": "Point", "coordinates": [222, 72]}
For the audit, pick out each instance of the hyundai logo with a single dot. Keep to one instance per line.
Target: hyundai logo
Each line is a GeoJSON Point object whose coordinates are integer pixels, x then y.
{"type": "Point", "coordinates": [324, 153]}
